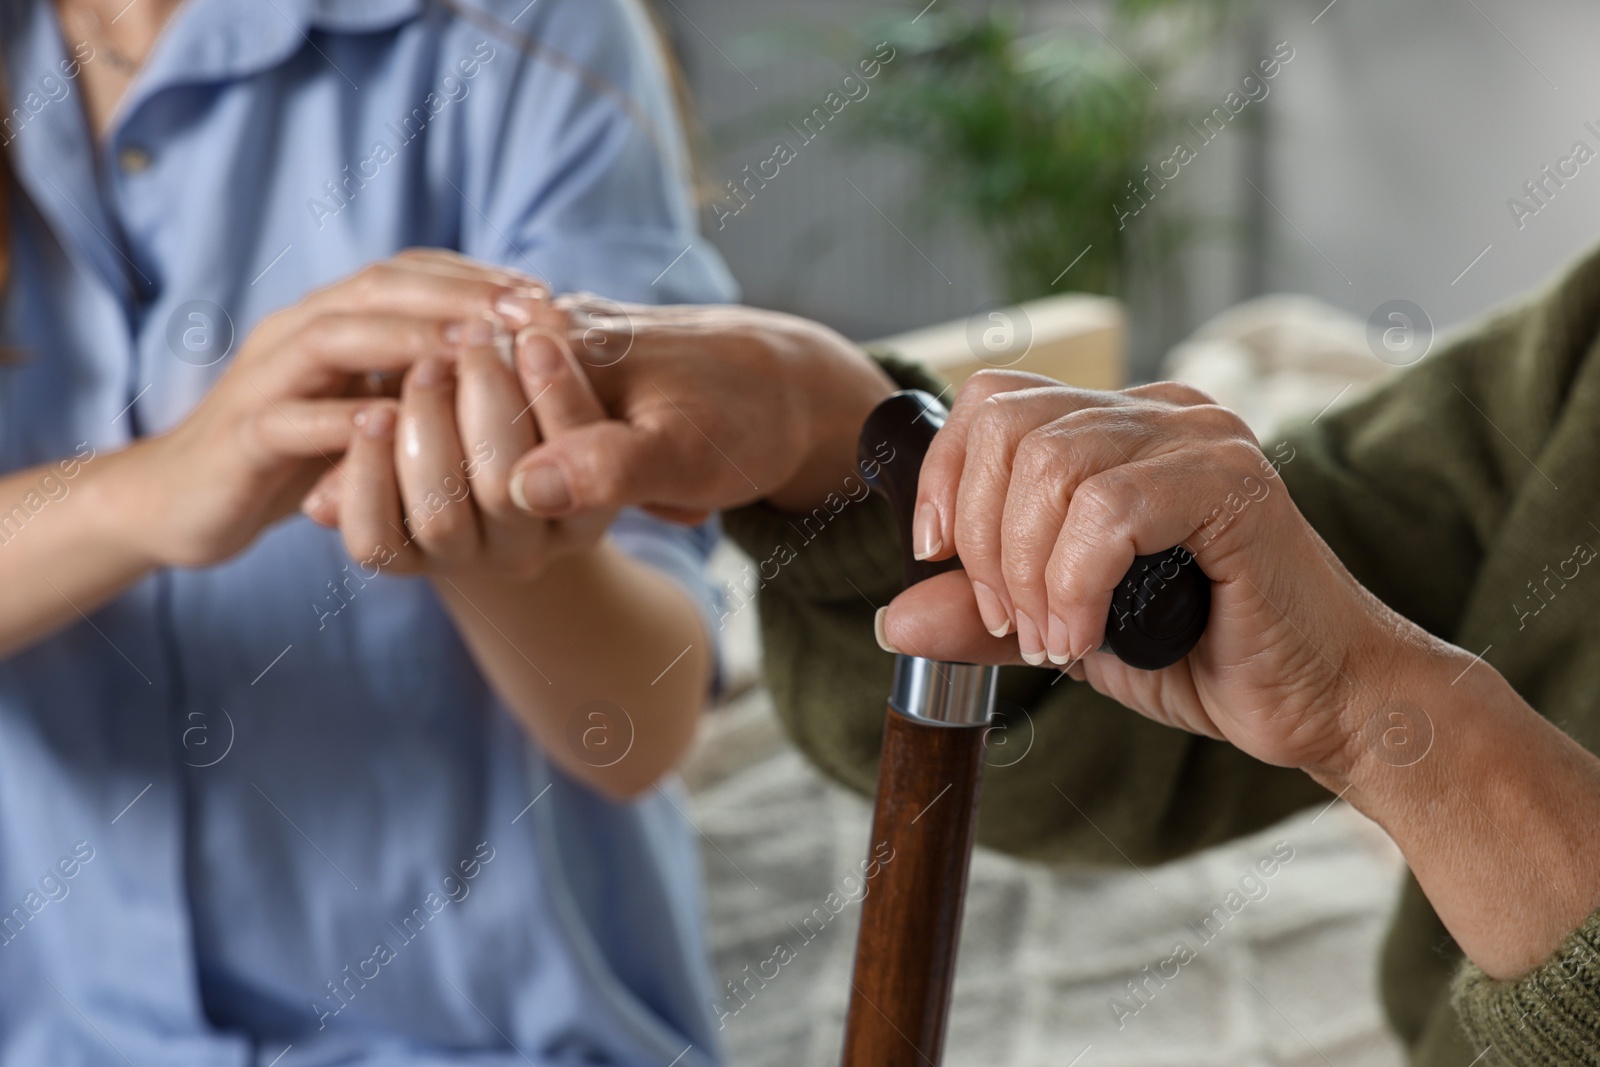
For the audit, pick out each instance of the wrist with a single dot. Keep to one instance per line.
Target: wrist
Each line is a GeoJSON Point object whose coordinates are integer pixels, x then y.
{"type": "Point", "coordinates": [1417, 722]}
{"type": "Point", "coordinates": [1491, 804]}
{"type": "Point", "coordinates": [526, 578]}
{"type": "Point", "coordinates": [837, 385]}
{"type": "Point", "coordinates": [121, 506]}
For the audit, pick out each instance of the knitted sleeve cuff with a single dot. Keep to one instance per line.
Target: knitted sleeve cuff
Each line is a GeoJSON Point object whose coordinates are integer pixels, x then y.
{"type": "Point", "coordinates": [1549, 1017]}
{"type": "Point", "coordinates": [844, 549]}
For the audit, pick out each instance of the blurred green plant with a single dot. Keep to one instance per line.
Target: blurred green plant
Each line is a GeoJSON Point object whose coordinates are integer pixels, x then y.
{"type": "Point", "coordinates": [1035, 138]}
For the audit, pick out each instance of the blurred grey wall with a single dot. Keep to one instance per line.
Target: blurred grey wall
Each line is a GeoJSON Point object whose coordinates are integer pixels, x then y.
{"type": "Point", "coordinates": [821, 240]}
{"type": "Point", "coordinates": [1403, 133]}
{"type": "Point", "coordinates": [1379, 168]}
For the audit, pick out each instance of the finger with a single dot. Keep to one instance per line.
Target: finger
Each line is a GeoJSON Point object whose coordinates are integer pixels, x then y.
{"type": "Point", "coordinates": [522, 302]}
{"type": "Point", "coordinates": [421, 286]}
{"type": "Point", "coordinates": [1049, 466]}
{"type": "Point", "coordinates": [933, 527]}
{"type": "Point", "coordinates": [434, 491]}
{"type": "Point", "coordinates": [369, 504]}
{"type": "Point", "coordinates": [415, 284]}
{"type": "Point", "coordinates": [327, 349]}
{"type": "Point", "coordinates": [601, 466]}
{"type": "Point", "coordinates": [555, 382]}
{"type": "Point", "coordinates": [303, 429]}
{"type": "Point", "coordinates": [449, 262]}
{"type": "Point", "coordinates": [322, 501]}
{"type": "Point", "coordinates": [938, 619]}
{"type": "Point", "coordinates": [1033, 510]}
{"type": "Point", "coordinates": [1128, 510]}
{"type": "Point", "coordinates": [993, 433]}
{"type": "Point", "coordinates": [496, 427]}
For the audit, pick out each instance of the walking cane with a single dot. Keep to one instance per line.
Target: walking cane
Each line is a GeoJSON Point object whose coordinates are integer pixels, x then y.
{"type": "Point", "coordinates": [932, 764]}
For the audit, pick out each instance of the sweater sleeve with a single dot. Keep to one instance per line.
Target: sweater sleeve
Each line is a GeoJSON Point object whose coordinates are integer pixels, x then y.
{"type": "Point", "coordinates": [1410, 484]}
{"type": "Point", "coordinates": [1548, 1016]}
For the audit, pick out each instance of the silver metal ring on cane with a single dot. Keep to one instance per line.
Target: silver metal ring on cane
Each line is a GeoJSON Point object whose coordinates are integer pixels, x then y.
{"type": "Point", "coordinates": [943, 694]}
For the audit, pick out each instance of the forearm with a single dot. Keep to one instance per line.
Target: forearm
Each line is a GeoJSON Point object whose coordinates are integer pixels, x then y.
{"type": "Point", "coordinates": [605, 661]}
{"type": "Point", "coordinates": [1496, 820]}
{"type": "Point", "coordinates": [61, 553]}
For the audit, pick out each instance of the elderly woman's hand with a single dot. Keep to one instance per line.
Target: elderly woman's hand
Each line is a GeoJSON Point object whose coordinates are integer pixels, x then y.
{"type": "Point", "coordinates": [1047, 493]}
{"type": "Point", "coordinates": [712, 407]}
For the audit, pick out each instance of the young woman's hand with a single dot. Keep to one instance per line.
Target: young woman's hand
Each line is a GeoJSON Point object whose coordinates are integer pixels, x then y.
{"type": "Point", "coordinates": [426, 487]}
{"type": "Point", "coordinates": [555, 615]}
{"type": "Point", "coordinates": [285, 408]}
{"type": "Point", "coordinates": [1047, 493]}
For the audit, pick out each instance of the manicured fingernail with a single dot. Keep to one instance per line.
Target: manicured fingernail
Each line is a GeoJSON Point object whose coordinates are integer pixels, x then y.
{"type": "Point", "coordinates": [1028, 641]}
{"type": "Point", "coordinates": [542, 490]}
{"type": "Point", "coordinates": [1055, 641]}
{"type": "Point", "coordinates": [471, 333]}
{"type": "Point", "coordinates": [377, 422]}
{"type": "Point", "coordinates": [880, 631]}
{"type": "Point", "coordinates": [432, 372]}
{"type": "Point", "coordinates": [926, 537]}
{"type": "Point", "coordinates": [468, 333]}
{"type": "Point", "coordinates": [995, 619]}
{"type": "Point", "coordinates": [521, 306]}
{"type": "Point", "coordinates": [505, 346]}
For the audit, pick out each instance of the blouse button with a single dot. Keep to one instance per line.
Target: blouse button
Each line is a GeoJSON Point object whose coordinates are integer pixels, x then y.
{"type": "Point", "coordinates": [133, 160]}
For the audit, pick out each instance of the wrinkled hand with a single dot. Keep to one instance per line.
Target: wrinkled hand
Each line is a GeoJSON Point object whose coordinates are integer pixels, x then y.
{"type": "Point", "coordinates": [1047, 493]}
{"type": "Point", "coordinates": [711, 407]}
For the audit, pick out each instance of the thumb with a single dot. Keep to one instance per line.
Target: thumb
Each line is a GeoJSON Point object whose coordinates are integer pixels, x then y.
{"type": "Point", "coordinates": [554, 381]}
{"type": "Point", "coordinates": [938, 619]}
{"type": "Point", "coordinates": [596, 467]}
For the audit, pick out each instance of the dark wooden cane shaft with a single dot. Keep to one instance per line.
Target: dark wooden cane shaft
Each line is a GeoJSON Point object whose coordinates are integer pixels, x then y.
{"type": "Point", "coordinates": [911, 916]}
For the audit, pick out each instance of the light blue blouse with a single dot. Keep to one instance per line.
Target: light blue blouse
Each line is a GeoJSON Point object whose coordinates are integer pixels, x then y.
{"type": "Point", "coordinates": [267, 812]}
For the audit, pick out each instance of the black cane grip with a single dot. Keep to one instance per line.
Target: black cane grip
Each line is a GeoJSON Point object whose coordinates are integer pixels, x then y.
{"type": "Point", "coordinates": [1158, 611]}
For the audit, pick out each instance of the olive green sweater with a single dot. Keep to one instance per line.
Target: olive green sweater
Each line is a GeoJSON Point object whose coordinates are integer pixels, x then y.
{"type": "Point", "coordinates": [1464, 493]}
